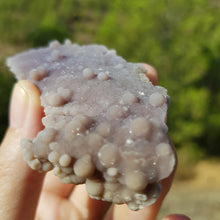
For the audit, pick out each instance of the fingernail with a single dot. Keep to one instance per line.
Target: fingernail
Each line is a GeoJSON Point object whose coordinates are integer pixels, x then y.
{"type": "Point", "coordinates": [176, 217]}
{"type": "Point", "coordinates": [18, 106]}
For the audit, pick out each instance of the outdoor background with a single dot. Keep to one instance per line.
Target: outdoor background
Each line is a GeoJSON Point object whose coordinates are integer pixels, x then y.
{"type": "Point", "coordinates": [181, 39]}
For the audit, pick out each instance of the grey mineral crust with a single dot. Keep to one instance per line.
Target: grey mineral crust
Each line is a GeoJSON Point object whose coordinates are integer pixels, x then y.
{"type": "Point", "coordinates": [104, 122]}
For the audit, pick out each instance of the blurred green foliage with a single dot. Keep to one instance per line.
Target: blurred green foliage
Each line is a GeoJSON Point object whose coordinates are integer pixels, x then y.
{"type": "Point", "coordinates": [6, 83]}
{"type": "Point", "coordinates": [180, 39]}
{"type": "Point", "coordinates": [43, 35]}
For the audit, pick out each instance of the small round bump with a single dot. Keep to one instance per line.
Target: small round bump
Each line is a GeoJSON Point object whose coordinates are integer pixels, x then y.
{"type": "Point", "coordinates": [163, 149]}
{"type": "Point", "coordinates": [55, 100]}
{"type": "Point", "coordinates": [112, 171]}
{"type": "Point", "coordinates": [66, 180]}
{"type": "Point", "coordinates": [84, 167]}
{"type": "Point", "coordinates": [79, 124]}
{"type": "Point", "coordinates": [47, 166]}
{"type": "Point", "coordinates": [65, 160]}
{"type": "Point", "coordinates": [53, 157]}
{"type": "Point", "coordinates": [83, 119]}
{"type": "Point", "coordinates": [47, 135]}
{"type": "Point", "coordinates": [108, 196]}
{"type": "Point", "coordinates": [129, 99]}
{"type": "Point", "coordinates": [104, 129]}
{"type": "Point", "coordinates": [58, 172]}
{"type": "Point", "coordinates": [65, 93]}
{"type": "Point", "coordinates": [76, 179]}
{"type": "Point", "coordinates": [38, 74]}
{"type": "Point", "coordinates": [108, 155]}
{"type": "Point", "coordinates": [27, 155]}
{"type": "Point", "coordinates": [35, 164]}
{"type": "Point", "coordinates": [157, 100]}
{"type": "Point", "coordinates": [103, 76]}
{"type": "Point", "coordinates": [67, 42]}
{"type": "Point", "coordinates": [75, 126]}
{"type": "Point", "coordinates": [136, 180]}
{"type": "Point", "coordinates": [133, 206]}
{"type": "Point", "coordinates": [94, 187]}
{"type": "Point", "coordinates": [110, 179]}
{"type": "Point", "coordinates": [54, 44]}
{"type": "Point", "coordinates": [140, 127]}
{"type": "Point", "coordinates": [88, 73]}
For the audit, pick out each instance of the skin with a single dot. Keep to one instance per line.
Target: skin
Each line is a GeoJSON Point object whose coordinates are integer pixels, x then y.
{"type": "Point", "coordinates": [28, 195]}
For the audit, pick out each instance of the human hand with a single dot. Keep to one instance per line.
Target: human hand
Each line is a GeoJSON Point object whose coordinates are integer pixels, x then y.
{"type": "Point", "coordinates": [26, 194]}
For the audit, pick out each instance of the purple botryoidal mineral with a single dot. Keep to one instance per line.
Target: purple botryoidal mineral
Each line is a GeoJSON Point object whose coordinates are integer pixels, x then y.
{"type": "Point", "coordinates": [104, 122]}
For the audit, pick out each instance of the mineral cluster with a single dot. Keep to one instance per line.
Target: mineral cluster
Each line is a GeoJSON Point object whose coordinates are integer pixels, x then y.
{"type": "Point", "coordinates": [104, 122]}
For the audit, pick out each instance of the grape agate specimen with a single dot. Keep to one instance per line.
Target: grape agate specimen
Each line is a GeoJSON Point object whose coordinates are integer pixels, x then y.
{"type": "Point", "coordinates": [104, 122]}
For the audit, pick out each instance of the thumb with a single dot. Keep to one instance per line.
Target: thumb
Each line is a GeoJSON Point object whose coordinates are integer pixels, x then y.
{"type": "Point", "coordinates": [19, 185]}
{"type": "Point", "coordinates": [25, 109]}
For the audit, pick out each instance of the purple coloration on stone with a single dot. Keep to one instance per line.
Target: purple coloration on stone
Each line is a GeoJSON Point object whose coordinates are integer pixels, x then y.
{"type": "Point", "coordinates": [104, 122]}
